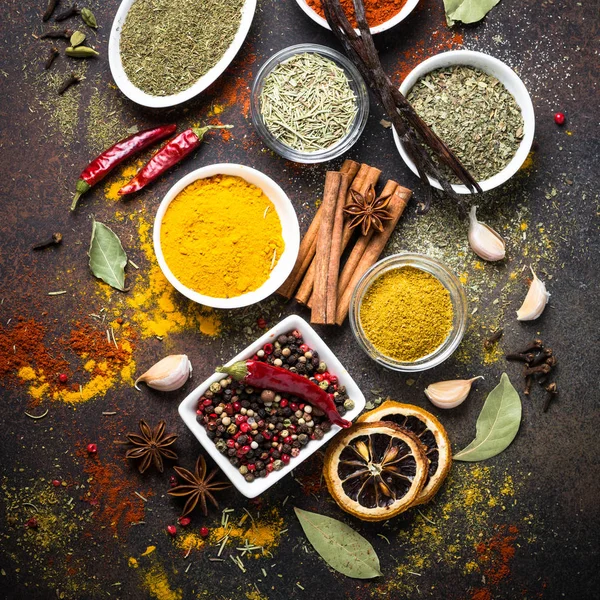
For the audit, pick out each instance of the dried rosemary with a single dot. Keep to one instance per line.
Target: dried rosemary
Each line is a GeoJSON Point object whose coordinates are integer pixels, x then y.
{"type": "Point", "coordinates": [167, 45]}
{"type": "Point", "coordinates": [307, 102]}
{"type": "Point", "coordinates": [474, 113]}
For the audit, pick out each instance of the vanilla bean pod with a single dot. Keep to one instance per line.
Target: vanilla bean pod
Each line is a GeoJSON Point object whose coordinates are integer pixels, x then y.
{"type": "Point", "coordinates": [407, 123]}
{"type": "Point", "coordinates": [49, 9]}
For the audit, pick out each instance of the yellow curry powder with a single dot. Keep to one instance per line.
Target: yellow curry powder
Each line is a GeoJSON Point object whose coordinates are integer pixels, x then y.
{"type": "Point", "coordinates": [221, 236]}
{"type": "Point", "coordinates": [406, 314]}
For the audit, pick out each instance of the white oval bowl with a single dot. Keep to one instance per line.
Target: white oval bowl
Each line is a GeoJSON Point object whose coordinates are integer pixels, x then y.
{"type": "Point", "coordinates": [289, 227]}
{"type": "Point", "coordinates": [400, 16]}
{"type": "Point", "coordinates": [187, 409]}
{"type": "Point", "coordinates": [510, 80]}
{"type": "Point", "coordinates": [141, 97]}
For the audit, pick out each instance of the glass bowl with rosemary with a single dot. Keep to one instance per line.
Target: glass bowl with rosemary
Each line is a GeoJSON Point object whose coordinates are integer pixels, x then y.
{"type": "Point", "coordinates": [477, 105]}
{"type": "Point", "coordinates": [309, 103]}
{"type": "Point", "coordinates": [409, 312]}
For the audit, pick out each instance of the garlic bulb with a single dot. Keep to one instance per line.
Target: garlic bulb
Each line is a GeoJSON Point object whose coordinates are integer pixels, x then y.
{"type": "Point", "coordinates": [167, 374]}
{"type": "Point", "coordinates": [484, 241]}
{"type": "Point", "coordinates": [535, 301]}
{"type": "Point", "coordinates": [448, 394]}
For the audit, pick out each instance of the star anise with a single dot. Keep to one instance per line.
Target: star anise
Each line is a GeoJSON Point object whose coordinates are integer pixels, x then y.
{"type": "Point", "coordinates": [199, 488]}
{"type": "Point", "coordinates": [151, 446]}
{"type": "Point", "coordinates": [367, 210]}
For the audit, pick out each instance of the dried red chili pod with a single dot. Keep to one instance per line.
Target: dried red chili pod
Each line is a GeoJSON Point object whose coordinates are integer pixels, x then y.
{"type": "Point", "coordinates": [169, 155]}
{"type": "Point", "coordinates": [270, 377]}
{"type": "Point", "coordinates": [103, 164]}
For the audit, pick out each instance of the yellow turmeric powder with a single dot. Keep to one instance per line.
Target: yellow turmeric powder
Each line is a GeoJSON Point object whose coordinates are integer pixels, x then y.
{"type": "Point", "coordinates": [406, 314]}
{"type": "Point", "coordinates": [221, 237]}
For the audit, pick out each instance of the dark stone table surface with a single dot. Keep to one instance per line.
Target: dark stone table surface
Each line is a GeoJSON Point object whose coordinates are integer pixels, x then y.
{"type": "Point", "coordinates": [524, 524]}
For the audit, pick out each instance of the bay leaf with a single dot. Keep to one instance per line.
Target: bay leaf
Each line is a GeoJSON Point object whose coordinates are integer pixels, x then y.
{"type": "Point", "coordinates": [107, 257]}
{"type": "Point", "coordinates": [340, 546]}
{"type": "Point", "coordinates": [497, 424]}
{"type": "Point", "coordinates": [467, 11]}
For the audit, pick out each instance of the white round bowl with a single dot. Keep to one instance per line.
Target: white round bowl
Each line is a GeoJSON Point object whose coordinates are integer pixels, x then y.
{"type": "Point", "coordinates": [289, 226]}
{"type": "Point", "coordinates": [511, 82]}
{"type": "Point", "coordinates": [141, 97]}
{"type": "Point", "coordinates": [400, 16]}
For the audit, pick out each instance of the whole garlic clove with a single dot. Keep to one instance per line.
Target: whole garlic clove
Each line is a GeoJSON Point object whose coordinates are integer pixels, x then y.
{"type": "Point", "coordinates": [484, 241]}
{"type": "Point", "coordinates": [535, 301]}
{"type": "Point", "coordinates": [449, 394]}
{"type": "Point", "coordinates": [168, 374]}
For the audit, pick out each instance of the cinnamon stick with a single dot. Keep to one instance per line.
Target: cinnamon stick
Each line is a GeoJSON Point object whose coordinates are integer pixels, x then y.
{"type": "Point", "coordinates": [308, 245]}
{"type": "Point", "coordinates": [398, 202]}
{"type": "Point", "coordinates": [330, 195]}
{"type": "Point", "coordinates": [366, 176]}
{"type": "Point", "coordinates": [335, 255]}
{"type": "Point", "coordinates": [362, 243]}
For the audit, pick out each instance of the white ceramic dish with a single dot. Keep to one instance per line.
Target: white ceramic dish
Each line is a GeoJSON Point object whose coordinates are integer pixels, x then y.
{"type": "Point", "coordinates": [137, 95]}
{"type": "Point", "coordinates": [511, 82]}
{"type": "Point", "coordinates": [187, 409]}
{"type": "Point", "coordinates": [404, 12]}
{"type": "Point", "coordinates": [289, 225]}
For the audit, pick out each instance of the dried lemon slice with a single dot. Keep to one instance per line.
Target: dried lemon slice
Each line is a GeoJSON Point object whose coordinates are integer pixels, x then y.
{"type": "Point", "coordinates": [431, 434]}
{"type": "Point", "coordinates": [375, 471]}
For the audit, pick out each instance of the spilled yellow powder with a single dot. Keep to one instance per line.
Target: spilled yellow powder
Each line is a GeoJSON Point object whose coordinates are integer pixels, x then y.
{"type": "Point", "coordinates": [157, 584]}
{"type": "Point", "coordinates": [27, 374]}
{"type": "Point", "coordinates": [264, 532]}
{"type": "Point", "coordinates": [112, 188]}
{"type": "Point", "coordinates": [528, 163]}
{"type": "Point", "coordinates": [255, 595]}
{"type": "Point", "coordinates": [133, 563]}
{"type": "Point", "coordinates": [89, 365]}
{"type": "Point", "coordinates": [37, 392]}
{"type": "Point", "coordinates": [149, 550]}
{"type": "Point", "coordinates": [159, 309]}
{"type": "Point", "coordinates": [464, 277]}
{"type": "Point", "coordinates": [523, 226]}
{"type": "Point", "coordinates": [187, 541]}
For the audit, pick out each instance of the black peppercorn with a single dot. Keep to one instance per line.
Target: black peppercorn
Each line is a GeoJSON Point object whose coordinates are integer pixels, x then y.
{"type": "Point", "coordinates": [262, 473]}
{"type": "Point", "coordinates": [231, 452]}
{"type": "Point", "coordinates": [243, 439]}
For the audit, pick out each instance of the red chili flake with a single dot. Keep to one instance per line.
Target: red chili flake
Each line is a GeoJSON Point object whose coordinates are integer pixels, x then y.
{"type": "Point", "coordinates": [261, 323]}
{"type": "Point", "coordinates": [559, 118]}
{"type": "Point", "coordinates": [172, 530]}
{"type": "Point", "coordinates": [204, 531]}
{"type": "Point", "coordinates": [184, 521]}
{"type": "Point", "coordinates": [92, 448]}
{"type": "Point", "coordinates": [32, 523]}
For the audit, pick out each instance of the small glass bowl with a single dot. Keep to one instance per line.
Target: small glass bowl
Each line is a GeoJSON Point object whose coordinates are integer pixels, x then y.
{"type": "Point", "coordinates": [446, 278]}
{"type": "Point", "coordinates": [357, 85]}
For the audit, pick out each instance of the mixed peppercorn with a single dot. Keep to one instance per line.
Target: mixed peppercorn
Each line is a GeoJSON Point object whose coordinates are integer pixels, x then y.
{"type": "Point", "coordinates": [259, 430]}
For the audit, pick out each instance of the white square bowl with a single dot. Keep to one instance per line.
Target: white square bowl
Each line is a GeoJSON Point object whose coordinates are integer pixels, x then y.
{"type": "Point", "coordinates": [187, 409]}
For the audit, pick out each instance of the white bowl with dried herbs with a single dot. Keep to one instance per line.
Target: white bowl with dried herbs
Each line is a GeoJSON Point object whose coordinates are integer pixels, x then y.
{"type": "Point", "coordinates": [480, 107]}
{"type": "Point", "coordinates": [164, 52]}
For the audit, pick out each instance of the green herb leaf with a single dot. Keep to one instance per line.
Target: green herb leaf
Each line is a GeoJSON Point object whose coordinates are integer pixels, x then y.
{"type": "Point", "coordinates": [467, 11]}
{"type": "Point", "coordinates": [88, 18]}
{"type": "Point", "coordinates": [497, 424]}
{"type": "Point", "coordinates": [77, 38]}
{"type": "Point", "coordinates": [107, 257]}
{"type": "Point", "coordinates": [340, 546]}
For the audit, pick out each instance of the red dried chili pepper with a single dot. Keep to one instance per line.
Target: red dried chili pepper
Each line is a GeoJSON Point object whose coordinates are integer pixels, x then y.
{"type": "Point", "coordinates": [102, 165]}
{"type": "Point", "coordinates": [170, 154]}
{"type": "Point", "coordinates": [270, 377]}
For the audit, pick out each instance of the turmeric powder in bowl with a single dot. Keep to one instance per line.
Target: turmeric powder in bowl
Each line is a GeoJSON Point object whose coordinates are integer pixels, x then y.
{"type": "Point", "coordinates": [221, 236]}
{"type": "Point", "coordinates": [406, 314]}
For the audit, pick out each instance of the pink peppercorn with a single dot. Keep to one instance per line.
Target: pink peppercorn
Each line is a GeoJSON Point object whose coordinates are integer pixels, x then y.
{"type": "Point", "coordinates": [172, 530]}
{"type": "Point", "coordinates": [303, 348]}
{"type": "Point", "coordinates": [559, 118]}
{"type": "Point", "coordinates": [268, 348]}
{"type": "Point", "coordinates": [92, 448]}
{"type": "Point", "coordinates": [285, 458]}
{"type": "Point", "coordinates": [204, 532]}
{"type": "Point", "coordinates": [184, 521]}
{"type": "Point", "coordinates": [56, 483]}
{"type": "Point", "coordinates": [261, 323]}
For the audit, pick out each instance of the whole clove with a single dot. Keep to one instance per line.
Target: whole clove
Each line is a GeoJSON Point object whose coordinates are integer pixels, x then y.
{"type": "Point", "coordinates": [494, 337]}
{"type": "Point", "coordinates": [71, 80]}
{"type": "Point", "coordinates": [527, 358]}
{"type": "Point", "coordinates": [49, 9]}
{"type": "Point", "coordinates": [53, 241]}
{"type": "Point", "coordinates": [51, 57]}
{"type": "Point", "coordinates": [67, 14]}
{"type": "Point", "coordinates": [543, 369]}
{"type": "Point", "coordinates": [552, 392]}
{"type": "Point", "coordinates": [55, 34]}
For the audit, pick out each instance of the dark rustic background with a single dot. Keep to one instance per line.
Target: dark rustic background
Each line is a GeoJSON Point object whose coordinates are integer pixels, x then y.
{"type": "Point", "coordinates": [521, 525]}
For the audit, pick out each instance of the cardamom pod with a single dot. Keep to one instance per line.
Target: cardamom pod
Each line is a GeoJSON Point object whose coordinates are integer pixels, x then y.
{"type": "Point", "coordinates": [88, 18]}
{"type": "Point", "coordinates": [81, 52]}
{"type": "Point", "coordinates": [77, 38]}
